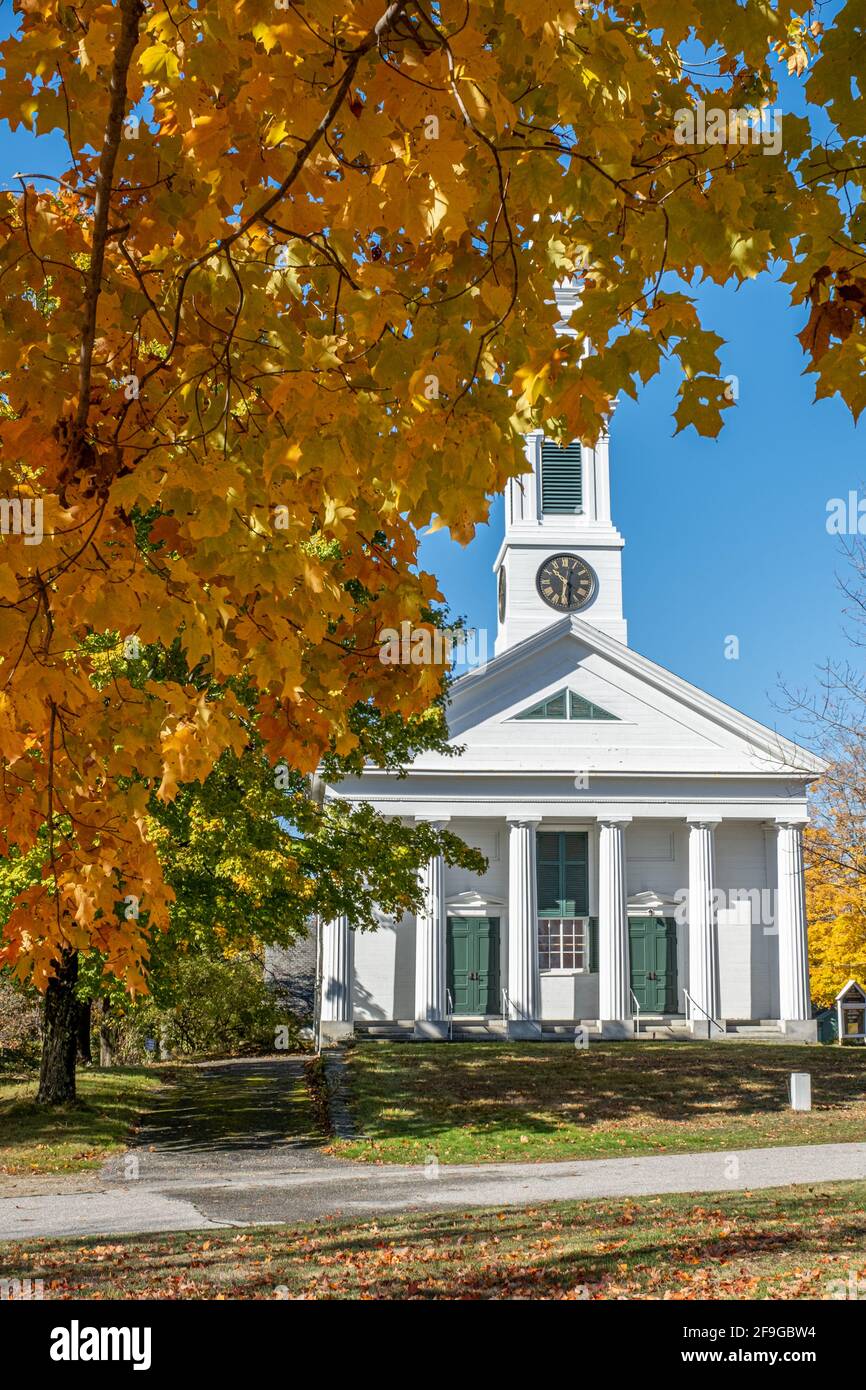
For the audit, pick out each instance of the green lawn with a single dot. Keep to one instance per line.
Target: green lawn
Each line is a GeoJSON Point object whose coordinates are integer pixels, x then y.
{"type": "Point", "coordinates": [799, 1242]}
{"type": "Point", "coordinates": [72, 1138]}
{"type": "Point", "coordinates": [491, 1102]}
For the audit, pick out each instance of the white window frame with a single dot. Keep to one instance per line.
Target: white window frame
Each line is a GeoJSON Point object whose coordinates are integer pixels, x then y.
{"type": "Point", "coordinates": [584, 969]}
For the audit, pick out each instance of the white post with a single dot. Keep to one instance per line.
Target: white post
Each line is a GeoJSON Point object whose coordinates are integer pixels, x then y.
{"type": "Point", "coordinates": [703, 945]}
{"type": "Point", "coordinates": [801, 1090]}
{"type": "Point", "coordinates": [524, 986]}
{"type": "Point", "coordinates": [336, 1011]}
{"type": "Point", "coordinates": [614, 971]}
{"type": "Point", "coordinates": [795, 1007]}
{"type": "Point", "coordinates": [431, 1000]}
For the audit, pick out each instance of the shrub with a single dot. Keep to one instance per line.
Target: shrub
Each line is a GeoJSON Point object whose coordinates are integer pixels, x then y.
{"type": "Point", "coordinates": [20, 1024]}
{"type": "Point", "coordinates": [221, 1007]}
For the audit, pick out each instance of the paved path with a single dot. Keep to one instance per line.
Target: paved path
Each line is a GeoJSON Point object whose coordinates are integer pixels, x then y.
{"type": "Point", "coordinates": [296, 1189]}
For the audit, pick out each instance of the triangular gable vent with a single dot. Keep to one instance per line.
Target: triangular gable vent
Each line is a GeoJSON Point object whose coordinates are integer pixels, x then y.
{"type": "Point", "coordinates": [565, 705]}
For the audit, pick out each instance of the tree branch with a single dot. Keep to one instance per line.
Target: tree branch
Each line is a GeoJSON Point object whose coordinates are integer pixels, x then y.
{"type": "Point", "coordinates": [131, 12]}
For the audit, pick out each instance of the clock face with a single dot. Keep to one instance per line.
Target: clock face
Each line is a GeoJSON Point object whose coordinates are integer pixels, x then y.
{"type": "Point", "coordinates": [502, 595]}
{"type": "Point", "coordinates": [565, 582]}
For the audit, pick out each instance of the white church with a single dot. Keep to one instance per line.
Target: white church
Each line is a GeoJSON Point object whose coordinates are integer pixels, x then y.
{"type": "Point", "coordinates": [643, 839]}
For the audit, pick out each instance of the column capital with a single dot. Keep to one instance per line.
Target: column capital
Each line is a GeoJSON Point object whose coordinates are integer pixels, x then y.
{"type": "Point", "coordinates": [436, 822]}
{"type": "Point", "coordinates": [614, 820]}
{"type": "Point", "coordinates": [796, 821]}
{"type": "Point", "coordinates": [518, 819]}
{"type": "Point", "coordinates": [703, 822]}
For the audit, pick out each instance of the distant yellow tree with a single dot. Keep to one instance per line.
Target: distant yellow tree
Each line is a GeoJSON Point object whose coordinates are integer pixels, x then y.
{"type": "Point", "coordinates": [836, 903]}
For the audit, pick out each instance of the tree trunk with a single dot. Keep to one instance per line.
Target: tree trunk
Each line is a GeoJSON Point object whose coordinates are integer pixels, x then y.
{"type": "Point", "coordinates": [106, 1042]}
{"type": "Point", "coordinates": [60, 1035]}
{"type": "Point", "coordinates": [84, 1052]}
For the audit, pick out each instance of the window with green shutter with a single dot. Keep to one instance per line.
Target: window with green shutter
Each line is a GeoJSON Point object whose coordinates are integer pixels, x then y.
{"type": "Point", "coordinates": [562, 871]}
{"type": "Point", "coordinates": [561, 479]}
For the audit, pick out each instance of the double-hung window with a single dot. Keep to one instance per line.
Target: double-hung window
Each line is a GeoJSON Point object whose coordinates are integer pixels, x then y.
{"type": "Point", "coordinates": [562, 865]}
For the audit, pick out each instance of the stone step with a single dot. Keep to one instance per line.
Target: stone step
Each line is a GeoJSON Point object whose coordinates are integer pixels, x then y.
{"type": "Point", "coordinates": [663, 1033]}
{"type": "Point", "coordinates": [751, 1029]}
{"type": "Point", "coordinates": [383, 1031]}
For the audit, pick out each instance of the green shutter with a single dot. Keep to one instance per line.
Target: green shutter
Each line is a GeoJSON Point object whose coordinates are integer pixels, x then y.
{"type": "Point", "coordinates": [547, 873]}
{"type": "Point", "coordinates": [561, 479]}
{"type": "Point", "coordinates": [593, 945]}
{"type": "Point", "coordinates": [562, 871]}
{"type": "Point", "coordinates": [548, 890]}
{"type": "Point", "coordinates": [575, 875]}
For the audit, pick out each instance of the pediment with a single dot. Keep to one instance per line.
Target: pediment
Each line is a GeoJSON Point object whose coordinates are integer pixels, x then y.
{"type": "Point", "coordinates": [656, 722]}
{"type": "Point", "coordinates": [652, 903]}
{"type": "Point", "coordinates": [473, 901]}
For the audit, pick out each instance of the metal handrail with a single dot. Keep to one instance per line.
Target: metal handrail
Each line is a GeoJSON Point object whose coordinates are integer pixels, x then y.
{"type": "Point", "coordinates": [508, 1003]}
{"type": "Point", "coordinates": [450, 1002]}
{"type": "Point", "coordinates": [637, 1011]}
{"type": "Point", "coordinates": [708, 1017]}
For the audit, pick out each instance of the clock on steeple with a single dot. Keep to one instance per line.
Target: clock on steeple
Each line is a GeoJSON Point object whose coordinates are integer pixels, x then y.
{"type": "Point", "coordinates": [565, 582]}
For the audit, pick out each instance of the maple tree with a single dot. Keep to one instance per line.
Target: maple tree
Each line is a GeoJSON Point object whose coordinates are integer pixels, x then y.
{"type": "Point", "coordinates": [836, 902]}
{"type": "Point", "coordinates": [289, 303]}
{"type": "Point", "coordinates": [250, 854]}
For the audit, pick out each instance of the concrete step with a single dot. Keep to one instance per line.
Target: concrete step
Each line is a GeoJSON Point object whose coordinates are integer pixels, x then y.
{"type": "Point", "coordinates": [752, 1030]}
{"type": "Point", "coordinates": [664, 1032]}
{"type": "Point", "coordinates": [478, 1032]}
{"type": "Point", "coordinates": [383, 1031]}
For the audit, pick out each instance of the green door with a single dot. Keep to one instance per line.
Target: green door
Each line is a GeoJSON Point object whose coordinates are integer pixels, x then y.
{"type": "Point", "coordinates": [653, 943]}
{"type": "Point", "coordinates": [473, 964]}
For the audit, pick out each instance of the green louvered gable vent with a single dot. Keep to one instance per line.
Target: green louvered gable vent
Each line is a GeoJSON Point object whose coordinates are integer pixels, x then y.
{"type": "Point", "coordinates": [565, 705]}
{"type": "Point", "coordinates": [561, 479]}
{"type": "Point", "coordinates": [585, 709]}
{"type": "Point", "coordinates": [554, 708]}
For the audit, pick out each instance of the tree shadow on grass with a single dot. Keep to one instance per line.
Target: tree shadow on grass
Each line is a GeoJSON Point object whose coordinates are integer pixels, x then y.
{"type": "Point", "coordinates": [421, 1092]}
{"type": "Point", "coordinates": [648, 1247]}
{"type": "Point", "coordinates": [232, 1108]}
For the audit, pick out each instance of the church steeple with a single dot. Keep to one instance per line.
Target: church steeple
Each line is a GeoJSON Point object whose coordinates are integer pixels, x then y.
{"type": "Point", "coordinates": [561, 553]}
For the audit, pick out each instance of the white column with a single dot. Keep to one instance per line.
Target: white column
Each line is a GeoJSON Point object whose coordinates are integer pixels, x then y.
{"type": "Point", "coordinates": [524, 986]}
{"type": "Point", "coordinates": [336, 1013]}
{"type": "Point", "coordinates": [431, 1001]}
{"type": "Point", "coordinates": [703, 943]}
{"type": "Point", "coordinates": [795, 1006]}
{"type": "Point", "coordinates": [614, 976]}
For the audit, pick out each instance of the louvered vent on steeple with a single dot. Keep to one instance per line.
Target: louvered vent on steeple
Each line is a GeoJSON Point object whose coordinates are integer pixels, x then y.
{"type": "Point", "coordinates": [561, 479]}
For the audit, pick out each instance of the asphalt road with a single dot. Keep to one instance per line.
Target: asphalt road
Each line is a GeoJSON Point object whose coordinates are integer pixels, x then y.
{"type": "Point", "coordinates": [292, 1192]}
{"type": "Point", "coordinates": [228, 1147]}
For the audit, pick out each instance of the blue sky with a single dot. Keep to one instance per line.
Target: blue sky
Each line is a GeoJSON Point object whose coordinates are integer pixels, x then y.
{"type": "Point", "coordinates": [723, 537]}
